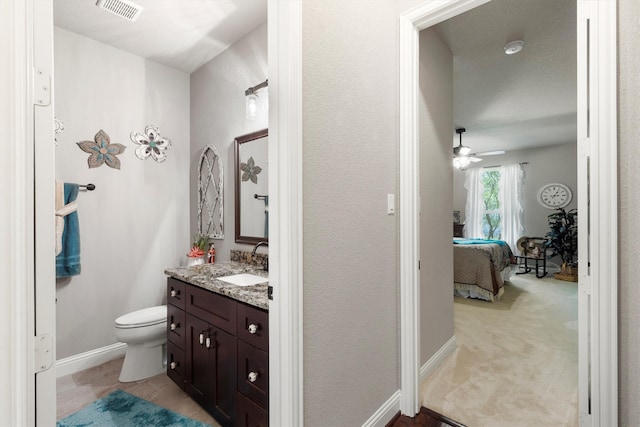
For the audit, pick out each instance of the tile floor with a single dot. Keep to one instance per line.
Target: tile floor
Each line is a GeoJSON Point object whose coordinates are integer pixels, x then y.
{"type": "Point", "coordinates": [78, 390]}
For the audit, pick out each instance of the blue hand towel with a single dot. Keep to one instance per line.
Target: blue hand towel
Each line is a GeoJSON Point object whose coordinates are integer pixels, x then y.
{"type": "Point", "coordinates": [68, 260]}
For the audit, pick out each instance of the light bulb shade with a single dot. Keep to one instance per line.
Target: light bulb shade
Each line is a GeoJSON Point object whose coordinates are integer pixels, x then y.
{"type": "Point", "coordinates": [251, 104]}
{"type": "Point", "coordinates": [461, 150]}
{"type": "Point", "coordinates": [461, 162]}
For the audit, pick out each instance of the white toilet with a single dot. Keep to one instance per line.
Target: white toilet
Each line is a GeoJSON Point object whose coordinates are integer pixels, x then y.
{"type": "Point", "coordinates": [145, 333]}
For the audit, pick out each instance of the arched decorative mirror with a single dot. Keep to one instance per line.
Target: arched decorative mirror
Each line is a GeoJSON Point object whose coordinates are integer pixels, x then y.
{"type": "Point", "coordinates": [252, 187]}
{"type": "Point", "coordinates": [210, 193]}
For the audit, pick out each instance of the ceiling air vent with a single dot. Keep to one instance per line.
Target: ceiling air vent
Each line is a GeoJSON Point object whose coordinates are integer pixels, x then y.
{"type": "Point", "coordinates": [124, 8]}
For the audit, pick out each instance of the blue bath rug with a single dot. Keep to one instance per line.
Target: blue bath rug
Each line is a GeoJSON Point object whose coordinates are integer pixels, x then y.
{"type": "Point", "coordinates": [121, 409]}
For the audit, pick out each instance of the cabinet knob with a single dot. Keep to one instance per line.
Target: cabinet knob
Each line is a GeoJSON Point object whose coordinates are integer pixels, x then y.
{"type": "Point", "coordinates": [174, 326]}
{"type": "Point", "coordinates": [252, 377]}
{"type": "Point", "coordinates": [253, 328]}
{"type": "Point", "coordinates": [173, 365]}
{"type": "Point", "coordinates": [208, 342]}
{"type": "Point", "coordinates": [174, 293]}
{"type": "Point", "coordinates": [201, 338]}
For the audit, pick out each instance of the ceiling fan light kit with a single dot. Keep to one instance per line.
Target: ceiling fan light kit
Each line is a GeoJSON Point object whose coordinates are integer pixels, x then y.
{"type": "Point", "coordinates": [462, 156]}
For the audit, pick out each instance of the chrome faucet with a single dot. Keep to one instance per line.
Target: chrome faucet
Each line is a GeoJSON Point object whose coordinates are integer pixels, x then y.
{"type": "Point", "coordinates": [265, 266]}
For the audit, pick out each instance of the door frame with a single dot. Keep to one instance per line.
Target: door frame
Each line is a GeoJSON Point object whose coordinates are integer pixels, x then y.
{"type": "Point", "coordinates": [597, 152]}
{"type": "Point", "coordinates": [285, 220]}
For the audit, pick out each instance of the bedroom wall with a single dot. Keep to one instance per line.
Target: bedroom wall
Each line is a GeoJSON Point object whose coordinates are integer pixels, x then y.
{"type": "Point", "coordinates": [136, 222]}
{"type": "Point", "coordinates": [436, 184]}
{"type": "Point", "coordinates": [556, 163]}
{"type": "Point", "coordinates": [218, 116]}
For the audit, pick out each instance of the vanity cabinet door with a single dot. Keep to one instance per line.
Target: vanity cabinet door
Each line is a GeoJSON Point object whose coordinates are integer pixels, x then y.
{"type": "Point", "coordinates": [211, 369]}
{"type": "Point", "coordinates": [253, 373]}
{"type": "Point", "coordinates": [253, 326]}
{"type": "Point", "coordinates": [175, 326]}
{"type": "Point", "coordinates": [248, 414]}
{"type": "Point", "coordinates": [176, 295]}
{"type": "Point", "coordinates": [175, 364]}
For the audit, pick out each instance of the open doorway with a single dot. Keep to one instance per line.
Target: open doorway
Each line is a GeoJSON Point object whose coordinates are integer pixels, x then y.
{"type": "Point", "coordinates": [597, 346]}
{"type": "Point", "coordinates": [516, 335]}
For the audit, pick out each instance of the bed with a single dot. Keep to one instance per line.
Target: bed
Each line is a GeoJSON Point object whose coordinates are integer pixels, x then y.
{"type": "Point", "coordinates": [480, 268]}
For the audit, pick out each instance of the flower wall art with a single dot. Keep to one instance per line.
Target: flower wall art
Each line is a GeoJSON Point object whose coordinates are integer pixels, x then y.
{"type": "Point", "coordinates": [151, 144]}
{"type": "Point", "coordinates": [102, 151]}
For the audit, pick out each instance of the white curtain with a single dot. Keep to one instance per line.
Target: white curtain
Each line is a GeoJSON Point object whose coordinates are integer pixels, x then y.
{"type": "Point", "coordinates": [510, 196]}
{"type": "Point", "coordinates": [475, 204]}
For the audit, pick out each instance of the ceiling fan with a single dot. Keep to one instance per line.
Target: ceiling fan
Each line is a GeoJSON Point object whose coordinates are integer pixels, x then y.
{"type": "Point", "coordinates": [462, 156]}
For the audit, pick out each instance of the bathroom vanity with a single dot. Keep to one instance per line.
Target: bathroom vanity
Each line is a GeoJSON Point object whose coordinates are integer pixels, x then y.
{"type": "Point", "coordinates": [218, 341]}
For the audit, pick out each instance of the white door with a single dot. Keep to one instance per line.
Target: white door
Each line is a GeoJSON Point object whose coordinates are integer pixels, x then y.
{"type": "Point", "coordinates": [44, 207]}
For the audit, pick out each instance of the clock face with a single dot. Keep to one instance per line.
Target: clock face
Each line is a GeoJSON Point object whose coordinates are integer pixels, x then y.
{"type": "Point", "coordinates": [553, 196]}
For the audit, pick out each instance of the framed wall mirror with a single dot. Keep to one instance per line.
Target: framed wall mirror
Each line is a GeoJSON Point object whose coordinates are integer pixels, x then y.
{"type": "Point", "coordinates": [252, 187]}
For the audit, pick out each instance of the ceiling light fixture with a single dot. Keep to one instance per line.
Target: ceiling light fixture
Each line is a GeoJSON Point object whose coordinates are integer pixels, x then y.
{"type": "Point", "coordinates": [251, 99]}
{"type": "Point", "coordinates": [513, 47]}
{"type": "Point", "coordinates": [462, 156]}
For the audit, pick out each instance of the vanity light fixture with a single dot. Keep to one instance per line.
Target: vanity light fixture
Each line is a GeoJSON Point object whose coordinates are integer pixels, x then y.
{"type": "Point", "coordinates": [251, 99]}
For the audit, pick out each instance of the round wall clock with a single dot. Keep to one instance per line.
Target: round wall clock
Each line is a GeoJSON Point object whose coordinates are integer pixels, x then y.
{"type": "Point", "coordinates": [554, 196]}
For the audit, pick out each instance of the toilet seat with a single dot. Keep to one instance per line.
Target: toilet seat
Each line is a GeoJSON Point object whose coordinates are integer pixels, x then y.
{"type": "Point", "coordinates": [141, 318]}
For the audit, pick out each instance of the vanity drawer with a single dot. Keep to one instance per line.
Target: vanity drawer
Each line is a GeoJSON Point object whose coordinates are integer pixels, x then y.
{"type": "Point", "coordinates": [253, 373]}
{"type": "Point", "coordinates": [253, 326]}
{"type": "Point", "coordinates": [176, 330]}
{"type": "Point", "coordinates": [248, 414]}
{"type": "Point", "coordinates": [176, 292]}
{"type": "Point", "coordinates": [176, 365]}
{"type": "Point", "coordinates": [215, 309]}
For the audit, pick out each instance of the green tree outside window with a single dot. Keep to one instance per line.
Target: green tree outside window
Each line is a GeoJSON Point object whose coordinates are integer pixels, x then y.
{"type": "Point", "coordinates": [492, 220]}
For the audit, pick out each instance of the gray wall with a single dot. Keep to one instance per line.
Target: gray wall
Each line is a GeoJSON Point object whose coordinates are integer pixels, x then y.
{"type": "Point", "coordinates": [436, 253]}
{"type": "Point", "coordinates": [556, 163]}
{"type": "Point", "coordinates": [350, 155]}
{"type": "Point", "coordinates": [629, 227]}
{"type": "Point", "coordinates": [136, 223]}
{"type": "Point", "coordinates": [218, 116]}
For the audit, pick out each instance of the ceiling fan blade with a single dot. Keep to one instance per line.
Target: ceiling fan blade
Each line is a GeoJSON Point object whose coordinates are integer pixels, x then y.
{"type": "Point", "coordinates": [474, 159]}
{"type": "Point", "coordinates": [490, 153]}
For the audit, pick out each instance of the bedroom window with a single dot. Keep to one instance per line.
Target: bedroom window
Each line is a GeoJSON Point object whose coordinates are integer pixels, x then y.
{"type": "Point", "coordinates": [494, 203]}
{"type": "Point", "coordinates": [491, 218]}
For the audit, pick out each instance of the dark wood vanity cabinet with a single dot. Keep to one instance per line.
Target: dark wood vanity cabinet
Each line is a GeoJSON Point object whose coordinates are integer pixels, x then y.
{"type": "Point", "coordinates": [217, 351]}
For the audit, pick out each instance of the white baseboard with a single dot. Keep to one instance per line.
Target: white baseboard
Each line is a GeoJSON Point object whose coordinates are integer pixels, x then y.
{"type": "Point", "coordinates": [89, 359]}
{"type": "Point", "coordinates": [391, 407]}
{"type": "Point", "coordinates": [385, 413]}
{"type": "Point", "coordinates": [437, 359]}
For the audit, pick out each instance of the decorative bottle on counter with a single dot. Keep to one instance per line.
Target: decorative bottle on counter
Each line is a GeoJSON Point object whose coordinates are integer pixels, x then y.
{"type": "Point", "coordinates": [211, 256]}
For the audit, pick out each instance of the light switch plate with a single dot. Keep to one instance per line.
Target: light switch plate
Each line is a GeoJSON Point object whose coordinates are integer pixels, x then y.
{"type": "Point", "coordinates": [391, 204]}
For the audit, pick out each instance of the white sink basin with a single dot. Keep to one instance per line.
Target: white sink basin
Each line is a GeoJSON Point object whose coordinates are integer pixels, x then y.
{"type": "Point", "coordinates": [244, 279]}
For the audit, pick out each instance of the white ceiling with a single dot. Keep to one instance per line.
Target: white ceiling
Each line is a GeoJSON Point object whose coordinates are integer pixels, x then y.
{"type": "Point", "coordinates": [182, 34]}
{"type": "Point", "coordinates": [514, 101]}
{"type": "Point", "coordinates": [504, 101]}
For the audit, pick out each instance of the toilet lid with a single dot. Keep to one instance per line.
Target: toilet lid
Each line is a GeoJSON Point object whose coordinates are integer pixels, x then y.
{"type": "Point", "coordinates": [145, 317]}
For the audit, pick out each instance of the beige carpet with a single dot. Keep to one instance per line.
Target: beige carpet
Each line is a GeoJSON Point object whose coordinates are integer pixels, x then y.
{"type": "Point", "coordinates": [516, 361]}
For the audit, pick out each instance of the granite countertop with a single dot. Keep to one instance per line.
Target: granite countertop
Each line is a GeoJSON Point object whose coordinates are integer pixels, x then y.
{"type": "Point", "coordinates": [205, 276]}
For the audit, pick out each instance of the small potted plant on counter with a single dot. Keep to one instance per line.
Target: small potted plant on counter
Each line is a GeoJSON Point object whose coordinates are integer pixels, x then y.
{"type": "Point", "coordinates": [198, 250]}
{"type": "Point", "coordinates": [562, 239]}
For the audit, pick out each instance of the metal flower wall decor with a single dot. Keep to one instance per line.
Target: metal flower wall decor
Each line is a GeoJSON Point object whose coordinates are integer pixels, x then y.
{"type": "Point", "coordinates": [151, 144]}
{"type": "Point", "coordinates": [102, 151]}
{"type": "Point", "coordinates": [250, 171]}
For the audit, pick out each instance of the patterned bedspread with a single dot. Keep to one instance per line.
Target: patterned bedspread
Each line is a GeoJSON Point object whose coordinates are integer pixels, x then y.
{"type": "Point", "coordinates": [478, 265]}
